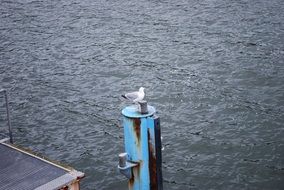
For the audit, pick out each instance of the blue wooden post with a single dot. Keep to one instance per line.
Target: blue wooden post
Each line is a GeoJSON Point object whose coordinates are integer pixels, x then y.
{"type": "Point", "coordinates": [142, 140]}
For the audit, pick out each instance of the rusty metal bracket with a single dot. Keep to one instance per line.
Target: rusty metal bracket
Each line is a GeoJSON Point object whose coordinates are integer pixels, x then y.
{"type": "Point", "coordinates": [125, 166]}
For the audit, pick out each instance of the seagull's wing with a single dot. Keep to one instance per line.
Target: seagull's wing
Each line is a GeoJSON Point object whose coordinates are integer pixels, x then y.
{"type": "Point", "coordinates": [131, 96]}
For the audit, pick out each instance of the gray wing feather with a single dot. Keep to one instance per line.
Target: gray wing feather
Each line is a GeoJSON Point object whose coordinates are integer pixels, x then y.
{"type": "Point", "coordinates": [131, 96]}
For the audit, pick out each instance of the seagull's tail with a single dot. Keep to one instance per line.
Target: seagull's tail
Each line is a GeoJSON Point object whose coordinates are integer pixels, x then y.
{"type": "Point", "coordinates": [123, 96]}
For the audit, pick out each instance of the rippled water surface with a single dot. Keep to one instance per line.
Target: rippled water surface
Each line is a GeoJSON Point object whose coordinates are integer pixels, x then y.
{"type": "Point", "coordinates": [214, 70]}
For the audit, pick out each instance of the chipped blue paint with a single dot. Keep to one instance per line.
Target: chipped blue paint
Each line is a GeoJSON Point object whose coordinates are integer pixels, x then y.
{"type": "Point", "coordinates": [136, 127]}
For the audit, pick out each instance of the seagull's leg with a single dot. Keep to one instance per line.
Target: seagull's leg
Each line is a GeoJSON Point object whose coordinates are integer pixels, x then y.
{"type": "Point", "coordinates": [138, 106]}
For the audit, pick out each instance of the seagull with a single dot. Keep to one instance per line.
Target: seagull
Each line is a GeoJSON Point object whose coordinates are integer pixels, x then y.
{"type": "Point", "coordinates": [136, 96]}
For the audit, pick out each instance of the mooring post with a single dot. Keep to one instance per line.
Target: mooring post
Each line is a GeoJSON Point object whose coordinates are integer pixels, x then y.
{"type": "Point", "coordinates": [8, 114]}
{"type": "Point", "coordinates": [142, 141]}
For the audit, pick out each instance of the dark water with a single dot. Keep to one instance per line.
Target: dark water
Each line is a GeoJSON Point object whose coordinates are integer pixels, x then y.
{"type": "Point", "coordinates": [214, 70]}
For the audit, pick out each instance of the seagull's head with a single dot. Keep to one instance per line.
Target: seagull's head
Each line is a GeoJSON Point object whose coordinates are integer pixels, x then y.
{"type": "Point", "coordinates": [141, 89]}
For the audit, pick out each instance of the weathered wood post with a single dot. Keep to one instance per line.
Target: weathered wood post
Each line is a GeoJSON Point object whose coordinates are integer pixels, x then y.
{"type": "Point", "coordinates": [142, 161]}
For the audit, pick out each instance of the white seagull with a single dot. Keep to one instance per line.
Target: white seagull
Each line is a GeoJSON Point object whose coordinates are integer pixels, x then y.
{"type": "Point", "coordinates": [135, 96]}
